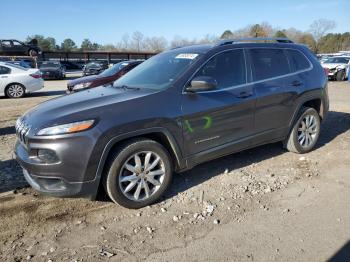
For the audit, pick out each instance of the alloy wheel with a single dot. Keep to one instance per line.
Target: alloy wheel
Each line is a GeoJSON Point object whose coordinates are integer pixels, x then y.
{"type": "Point", "coordinates": [307, 131]}
{"type": "Point", "coordinates": [141, 175]}
{"type": "Point", "coordinates": [15, 91]}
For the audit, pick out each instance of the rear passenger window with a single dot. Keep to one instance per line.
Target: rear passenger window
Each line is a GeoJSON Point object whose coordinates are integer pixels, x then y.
{"type": "Point", "coordinates": [268, 63]}
{"type": "Point", "coordinates": [227, 68]}
{"type": "Point", "coordinates": [4, 70]}
{"type": "Point", "coordinates": [297, 60]}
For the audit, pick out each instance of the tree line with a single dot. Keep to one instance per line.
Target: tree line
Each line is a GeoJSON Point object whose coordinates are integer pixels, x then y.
{"type": "Point", "coordinates": [317, 38]}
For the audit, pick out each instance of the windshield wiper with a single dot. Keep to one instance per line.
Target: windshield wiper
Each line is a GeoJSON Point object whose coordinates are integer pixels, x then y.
{"type": "Point", "coordinates": [125, 87]}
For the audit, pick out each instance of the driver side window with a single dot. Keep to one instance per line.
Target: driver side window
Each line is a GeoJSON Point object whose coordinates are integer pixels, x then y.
{"type": "Point", "coordinates": [227, 68]}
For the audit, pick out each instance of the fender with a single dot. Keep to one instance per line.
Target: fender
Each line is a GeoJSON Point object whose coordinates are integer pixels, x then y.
{"type": "Point", "coordinates": [311, 95]}
{"type": "Point", "coordinates": [181, 163]}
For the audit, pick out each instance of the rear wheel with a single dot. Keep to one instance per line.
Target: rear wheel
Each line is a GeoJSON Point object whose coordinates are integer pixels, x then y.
{"type": "Point", "coordinates": [15, 91]}
{"type": "Point", "coordinates": [305, 132]}
{"type": "Point", "coordinates": [138, 173]}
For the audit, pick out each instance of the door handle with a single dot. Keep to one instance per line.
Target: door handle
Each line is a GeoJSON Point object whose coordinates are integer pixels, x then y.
{"type": "Point", "coordinates": [244, 94]}
{"type": "Point", "coordinates": [296, 83]}
{"type": "Point", "coordinates": [4, 76]}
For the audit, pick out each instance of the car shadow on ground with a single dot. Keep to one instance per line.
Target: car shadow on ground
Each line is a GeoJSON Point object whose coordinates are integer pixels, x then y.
{"type": "Point", "coordinates": [8, 130]}
{"type": "Point", "coordinates": [343, 254]}
{"type": "Point", "coordinates": [335, 124]}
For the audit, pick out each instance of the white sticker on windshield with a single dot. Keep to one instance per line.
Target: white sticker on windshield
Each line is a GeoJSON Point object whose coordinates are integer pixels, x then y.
{"type": "Point", "coordinates": [186, 56]}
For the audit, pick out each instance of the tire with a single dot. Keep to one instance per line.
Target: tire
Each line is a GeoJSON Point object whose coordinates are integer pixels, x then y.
{"type": "Point", "coordinates": [307, 126]}
{"type": "Point", "coordinates": [340, 76]}
{"type": "Point", "coordinates": [125, 175]}
{"type": "Point", "coordinates": [32, 52]}
{"type": "Point", "coordinates": [15, 91]}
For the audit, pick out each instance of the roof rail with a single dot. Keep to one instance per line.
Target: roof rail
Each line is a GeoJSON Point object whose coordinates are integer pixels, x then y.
{"type": "Point", "coordinates": [254, 39]}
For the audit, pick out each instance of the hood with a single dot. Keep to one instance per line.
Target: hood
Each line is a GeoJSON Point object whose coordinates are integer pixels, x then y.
{"type": "Point", "coordinates": [84, 79]}
{"type": "Point", "coordinates": [78, 106]}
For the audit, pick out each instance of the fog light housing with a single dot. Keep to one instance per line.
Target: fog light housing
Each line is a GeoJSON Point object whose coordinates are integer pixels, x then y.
{"type": "Point", "coordinates": [48, 156]}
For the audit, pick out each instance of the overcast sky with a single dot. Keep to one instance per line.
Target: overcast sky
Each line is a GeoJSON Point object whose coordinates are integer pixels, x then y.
{"type": "Point", "coordinates": [106, 21]}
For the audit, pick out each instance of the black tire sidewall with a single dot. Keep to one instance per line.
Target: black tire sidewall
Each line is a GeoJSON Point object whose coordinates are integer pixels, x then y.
{"type": "Point", "coordinates": [299, 148]}
{"type": "Point", "coordinates": [117, 161]}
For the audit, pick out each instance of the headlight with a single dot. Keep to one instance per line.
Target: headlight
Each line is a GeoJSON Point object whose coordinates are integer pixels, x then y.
{"type": "Point", "coordinates": [66, 128]}
{"type": "Point", "coordinates": [83, 85]}
{"type": "Point", "coordinates": [87, 84]}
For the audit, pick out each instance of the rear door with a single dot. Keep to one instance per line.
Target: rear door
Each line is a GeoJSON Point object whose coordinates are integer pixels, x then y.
{"type": "Point", "coordinates": [214, 119]}
{"type": "Point", "coordinates": [276, 90]}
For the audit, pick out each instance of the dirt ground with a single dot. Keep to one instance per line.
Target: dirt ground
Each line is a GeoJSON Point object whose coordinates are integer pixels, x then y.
{"type": "Point", "coordinates": [263, 204]}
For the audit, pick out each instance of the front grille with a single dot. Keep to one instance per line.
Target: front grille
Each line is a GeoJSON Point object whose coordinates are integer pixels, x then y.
{"type": "Point", "coordinates": [22, 130]}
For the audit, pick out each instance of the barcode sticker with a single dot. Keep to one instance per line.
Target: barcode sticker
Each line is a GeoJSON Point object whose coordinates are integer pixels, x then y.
{"type": "Point", "coordinates": [186, 56]}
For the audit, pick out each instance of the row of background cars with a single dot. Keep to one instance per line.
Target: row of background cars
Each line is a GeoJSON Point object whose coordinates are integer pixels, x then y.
{"type": "Point", "coordinates": [337, 66]}
{"type": "Point", "coordinates": [17, 78]}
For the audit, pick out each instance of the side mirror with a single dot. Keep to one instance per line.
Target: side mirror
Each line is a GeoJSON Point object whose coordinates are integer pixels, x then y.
{"type": "Point", "coordinates": [202, 83]}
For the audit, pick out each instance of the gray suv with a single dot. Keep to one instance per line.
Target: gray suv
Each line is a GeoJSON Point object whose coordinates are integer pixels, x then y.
{"type": "Point", "coordinates": [176, 110]}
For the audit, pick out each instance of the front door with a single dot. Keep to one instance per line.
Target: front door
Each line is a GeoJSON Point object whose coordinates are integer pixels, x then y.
{"type": "Point", "coordinates": [214, 119]}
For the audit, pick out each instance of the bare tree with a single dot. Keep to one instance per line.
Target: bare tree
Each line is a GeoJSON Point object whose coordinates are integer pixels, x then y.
{"type": "Point", "coordinates": [137, 38]}
{"type": "Point", "coordinates": [156, 44]}
{"type": "Point", "coordinates": [125, 42]}
{"type": "Point", "coordinates": [207, 39]}
{"type": "Point", "coordinates": [320, 27]}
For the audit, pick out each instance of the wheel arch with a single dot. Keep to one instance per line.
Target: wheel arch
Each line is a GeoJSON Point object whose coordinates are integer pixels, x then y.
{"type": "Point", "coordinates": [160, 135]}
{"type": "Point", "coordinates": [14, 83]}
{"type": "Point", "coordinates": [313, 101]}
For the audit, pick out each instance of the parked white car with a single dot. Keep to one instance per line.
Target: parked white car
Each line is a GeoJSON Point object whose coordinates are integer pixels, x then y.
{"type": "Point", "coordinates": [337, 67]}
{"type": "Point", "coordinates": [16, 81]}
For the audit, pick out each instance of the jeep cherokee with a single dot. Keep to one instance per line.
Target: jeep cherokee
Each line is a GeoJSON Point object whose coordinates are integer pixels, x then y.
{"type": "Point", "coordinates": [176, 110]}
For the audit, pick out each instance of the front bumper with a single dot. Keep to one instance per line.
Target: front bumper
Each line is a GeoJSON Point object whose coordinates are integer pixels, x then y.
{"type": "Point", "coordinates": [72, 174]}
{"type": "Point", "coordinates": [60, 188]}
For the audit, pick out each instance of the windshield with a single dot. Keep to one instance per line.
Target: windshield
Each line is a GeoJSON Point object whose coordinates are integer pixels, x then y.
{"type": "Point", "coordinates": [337, 60]}
{"type": "Point", "coordinates": [114, 69]}
{"type": "Point", "coordinates": [95, 64]}
{"type": "Point", "coordinates": [159, 71]}
{"type": "Point", "coordinates": [50, 64]}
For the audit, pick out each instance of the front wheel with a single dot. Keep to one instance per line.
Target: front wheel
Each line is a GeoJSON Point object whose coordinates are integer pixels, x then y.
{"type": "Point", "coordinates": [340, 76]}
{"type": "Point", "coordinates": [138, 173]}
{"type": "Point", "coordinates": [305, 132]}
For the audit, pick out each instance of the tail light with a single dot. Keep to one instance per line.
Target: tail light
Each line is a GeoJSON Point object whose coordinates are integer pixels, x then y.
{"type": "Point", "coordinates": [326, 71]}
{"type": "Point", "coordinates": [36, 75]}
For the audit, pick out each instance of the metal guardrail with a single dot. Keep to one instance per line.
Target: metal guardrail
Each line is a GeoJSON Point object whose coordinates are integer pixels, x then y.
{"type": "Point", "coordinates": [87, 56]}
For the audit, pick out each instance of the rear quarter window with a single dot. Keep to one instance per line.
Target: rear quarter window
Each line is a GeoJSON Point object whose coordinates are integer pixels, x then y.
{"type": "Point", "coordinates": [268, 63]}
{"type": "Point", "coordinates": [297, 60]}
{"type": "Point", "coordinates": [4, 70]}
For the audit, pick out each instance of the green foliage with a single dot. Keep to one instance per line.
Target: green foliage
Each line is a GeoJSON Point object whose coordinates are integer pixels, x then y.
{"type": "Point", "coordinates": [257, 31]}
{"type": "Point", "coordinates": [68, 45]}
{"type": "Point", "coordinates": [87, 45]}
{"type": "Point", "coordinates": [46, 44]}
{"type": "Point", "coordinates": [227, 35]}
{"type": "Point", "coordinates": [332, 43]}
{"type": "Point", "coordinates": [280, 34]}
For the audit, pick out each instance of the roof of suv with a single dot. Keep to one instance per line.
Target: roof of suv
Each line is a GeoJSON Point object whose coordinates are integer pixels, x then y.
{"type": "Point", "coordinates": [247, 42]}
